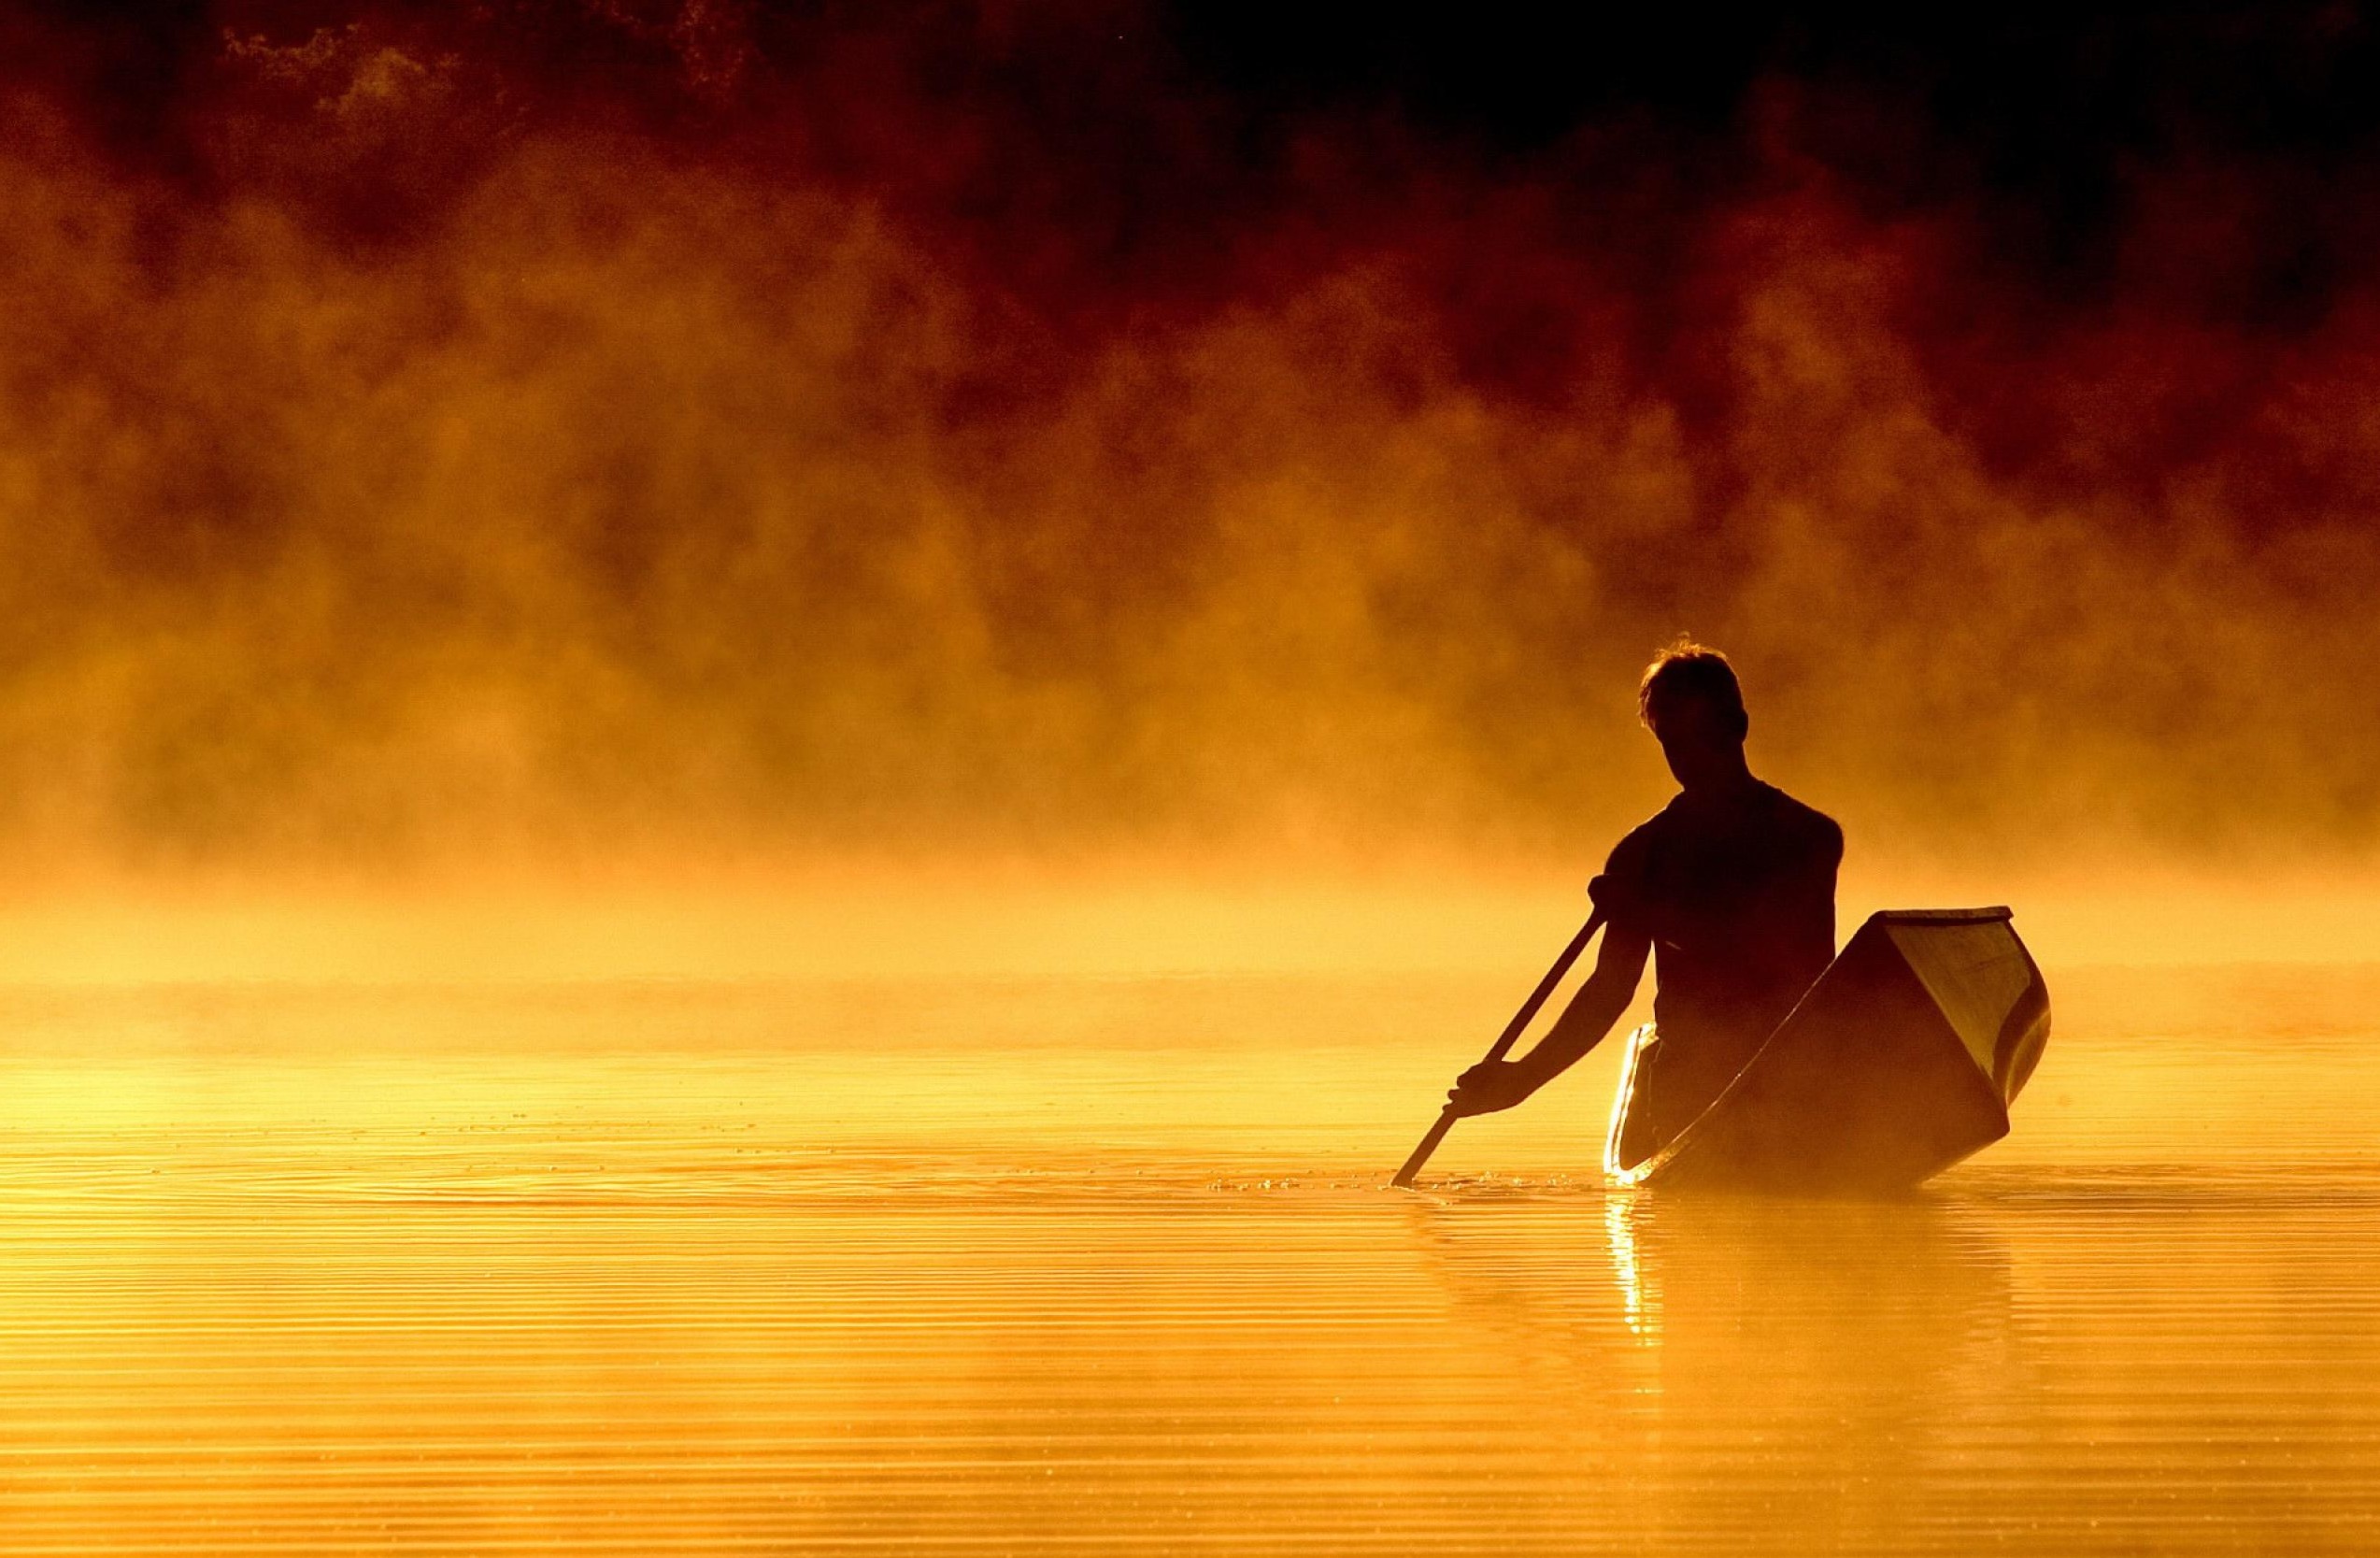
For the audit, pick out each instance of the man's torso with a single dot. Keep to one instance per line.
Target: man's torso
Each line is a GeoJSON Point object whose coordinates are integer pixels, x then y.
{"type": "Point", "coordinates": [1736, 892]}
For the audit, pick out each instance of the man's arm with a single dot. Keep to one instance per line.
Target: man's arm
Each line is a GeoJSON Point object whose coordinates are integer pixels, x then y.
{"type": "Point", "coordinates": [1501, 1084]}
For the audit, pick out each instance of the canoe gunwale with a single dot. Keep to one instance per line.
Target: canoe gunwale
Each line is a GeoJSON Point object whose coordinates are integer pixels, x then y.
{"type": "Point", "coordinates": [1940, 916]}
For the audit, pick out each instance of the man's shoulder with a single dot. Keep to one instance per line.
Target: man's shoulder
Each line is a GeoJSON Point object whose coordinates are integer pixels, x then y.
{"type": "Point", "coordinates": [1638, 839]}
{"type": "Point", "coordinates": [1778, 815]}
{"type": "Point", "coordinates": [1801, 820]}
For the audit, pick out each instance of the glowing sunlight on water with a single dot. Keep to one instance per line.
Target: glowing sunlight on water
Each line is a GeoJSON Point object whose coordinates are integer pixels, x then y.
{"type": "Point", "coordinates": [1105, 1264]}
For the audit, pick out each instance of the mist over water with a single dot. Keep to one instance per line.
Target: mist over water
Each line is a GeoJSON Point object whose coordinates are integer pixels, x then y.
{"type": "Point", "coordinates": [774, 438]}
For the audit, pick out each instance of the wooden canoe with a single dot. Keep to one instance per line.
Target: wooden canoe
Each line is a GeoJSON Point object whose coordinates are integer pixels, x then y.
{"type": "Point", "coordinates": [1901, 1060]}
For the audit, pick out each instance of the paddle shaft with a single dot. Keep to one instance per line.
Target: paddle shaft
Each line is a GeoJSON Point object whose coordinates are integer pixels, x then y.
{"type": "Point", "coordinates": [1504, 1041]}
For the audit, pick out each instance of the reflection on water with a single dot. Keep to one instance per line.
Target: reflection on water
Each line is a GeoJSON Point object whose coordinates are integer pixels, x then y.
{"type": "Point", "coordinates": [1109, 1267]}
{"type": "Point", "coordinates": [1639, 1302]}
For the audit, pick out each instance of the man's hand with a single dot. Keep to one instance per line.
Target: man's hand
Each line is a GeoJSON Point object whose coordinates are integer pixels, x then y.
{"type": "Point", "coordinates": [1489, 1086]}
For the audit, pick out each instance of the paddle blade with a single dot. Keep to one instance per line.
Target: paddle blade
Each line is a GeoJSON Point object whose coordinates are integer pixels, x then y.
{"type": "Point", "coordinates": [1421, 1153]}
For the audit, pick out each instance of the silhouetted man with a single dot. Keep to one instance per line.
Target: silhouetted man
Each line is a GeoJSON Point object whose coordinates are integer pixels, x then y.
{"type": "Point", "coordinates": [1732, 883]}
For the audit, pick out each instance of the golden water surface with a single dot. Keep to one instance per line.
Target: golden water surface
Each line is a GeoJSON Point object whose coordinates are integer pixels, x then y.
{"type": "Point", "coordinates": [1107, 1265]}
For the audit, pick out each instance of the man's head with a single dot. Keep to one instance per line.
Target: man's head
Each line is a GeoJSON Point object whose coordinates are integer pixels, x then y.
{"type": "Point", "coordinates": [1689, 700]}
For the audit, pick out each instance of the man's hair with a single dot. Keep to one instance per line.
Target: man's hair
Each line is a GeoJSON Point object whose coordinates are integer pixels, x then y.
{"type": "Point", "coordinates": [1686, 669]}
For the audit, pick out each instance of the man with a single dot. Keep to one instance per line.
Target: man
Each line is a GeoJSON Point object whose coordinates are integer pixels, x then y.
{"type": "Point", "coordinates": [1732, 883]}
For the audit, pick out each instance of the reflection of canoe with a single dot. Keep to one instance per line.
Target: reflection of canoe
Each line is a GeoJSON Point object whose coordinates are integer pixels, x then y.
{"type": "Point", "coordinates": [1901, 1060]}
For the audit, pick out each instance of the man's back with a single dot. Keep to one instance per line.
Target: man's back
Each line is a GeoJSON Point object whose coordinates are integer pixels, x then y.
{"type": "Point", "coordinates": [1735, 890]}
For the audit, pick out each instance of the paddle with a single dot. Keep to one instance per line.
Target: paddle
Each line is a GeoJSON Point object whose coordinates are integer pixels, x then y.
{"type": "Point", "coordinates": [1504, 1041]}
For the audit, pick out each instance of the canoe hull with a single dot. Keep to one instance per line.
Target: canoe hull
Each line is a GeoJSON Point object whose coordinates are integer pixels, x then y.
{"type": "Point", "coordinates": [1901, 1060]}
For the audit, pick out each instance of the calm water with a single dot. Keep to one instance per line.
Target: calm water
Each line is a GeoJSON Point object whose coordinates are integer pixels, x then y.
{"type": "Point", "coordinates": [1107, 1265]}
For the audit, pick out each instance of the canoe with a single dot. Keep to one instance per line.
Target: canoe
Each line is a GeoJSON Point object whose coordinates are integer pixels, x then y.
{"type": "Point", "coordinates": [1901, 1060]}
